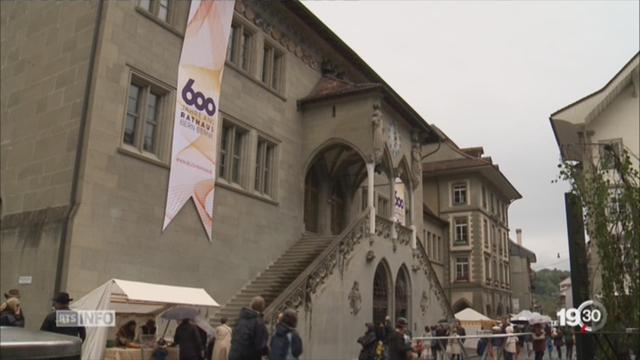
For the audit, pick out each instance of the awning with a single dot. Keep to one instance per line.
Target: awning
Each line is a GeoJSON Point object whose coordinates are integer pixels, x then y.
{"type": "Point", "coordinates": [134, 297]}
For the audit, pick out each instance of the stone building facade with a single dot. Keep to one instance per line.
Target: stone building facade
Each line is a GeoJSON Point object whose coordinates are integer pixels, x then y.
{"type": "Point", "coordinates": [314, 150]}
{"type": "Point", "coordinates": [472, 195]}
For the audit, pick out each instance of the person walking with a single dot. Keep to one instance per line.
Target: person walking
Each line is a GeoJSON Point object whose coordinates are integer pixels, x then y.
{"type": "Point", "coordinates": [569, 341]}
{"type": "Point", "coordinates": [285, 342]}
{"type": "Point", "coordinates": [61, 303]}
{"type": "Point", "coordinates": [442, 331]}
{"type": "Point", "coordinates": [398, 347]}
{"type": "Point", "coordinates": [188, 337]}
{"type": "Point", "coordinates": [10, 314]}
{"type": "Point", "coordinates": [454, 349]}
{"type": "Point", "coordinates": [539, 339]}
{"type": "Point", "coordinates": [368, 341]}
{"type": "Point", "coordinates": [223, 341]}
{"type": "Point", "coordinates": [558, 341]}
{"type": "Point", "coordinates": [510, 344]}
{"type": "Point", "coordinates": [549, 340]}
{"type": "Point", "coordinates": [249, 340]}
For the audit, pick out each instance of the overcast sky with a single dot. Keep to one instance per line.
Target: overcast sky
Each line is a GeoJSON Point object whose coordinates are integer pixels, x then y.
{"type": "Point", "coordinates": [490, 74]}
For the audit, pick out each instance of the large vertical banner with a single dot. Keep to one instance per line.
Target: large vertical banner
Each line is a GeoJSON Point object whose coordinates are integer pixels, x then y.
{"type": "Point", "coordinates": [193, 155]}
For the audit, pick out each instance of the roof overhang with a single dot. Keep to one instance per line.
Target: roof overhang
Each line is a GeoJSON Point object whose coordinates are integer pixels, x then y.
{"type": "Point", "coordinates": [568, 138]}
{"type": "Point", "coordinates": [489, 171]}
{"type": "Point", "coordinates": [571, 120]}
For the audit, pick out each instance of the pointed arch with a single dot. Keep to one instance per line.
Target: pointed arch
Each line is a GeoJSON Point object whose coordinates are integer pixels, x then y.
{"type": "Point", "coordinates": [330, 176]}
{"type": "Point", "coordinates": [403, 294]}
{"type": "Point", "coordinates": [326, 145]}
{"type": "Point", "coordinates": [460, 305]}
{"type": "Point", "coordinates": [382, 299]}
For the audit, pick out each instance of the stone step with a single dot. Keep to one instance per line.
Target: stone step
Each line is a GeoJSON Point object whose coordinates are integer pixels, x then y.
{"type": "Point", "coordinates": [277, 277]}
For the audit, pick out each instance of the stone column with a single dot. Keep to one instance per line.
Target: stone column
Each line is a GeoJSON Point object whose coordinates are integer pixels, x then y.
{"type": "Point", "coordinates": [370, 199]}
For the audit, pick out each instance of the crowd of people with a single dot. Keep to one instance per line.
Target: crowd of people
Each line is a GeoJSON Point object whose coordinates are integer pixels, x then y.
{"type": "Point", "coordinates": [446, 342]}
{"type": "Point", "coordinates": [250, 340]}
{"type": "Point", "coordinates": [386, 342]}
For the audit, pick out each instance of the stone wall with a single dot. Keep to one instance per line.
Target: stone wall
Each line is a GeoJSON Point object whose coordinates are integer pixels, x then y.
{"type": "Point", "coordinates": [44, 66]}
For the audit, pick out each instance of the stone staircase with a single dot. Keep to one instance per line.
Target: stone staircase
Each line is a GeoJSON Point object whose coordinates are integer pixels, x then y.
{"type": "Point", "coordinates": [272, 281]}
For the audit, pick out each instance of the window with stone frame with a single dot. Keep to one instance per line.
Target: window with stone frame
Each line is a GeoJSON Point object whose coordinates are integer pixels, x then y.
{"type": "Point", "coordinates": [485, 233]}
{"type": "Point", "coordinates": [440, 249]}
{"type": "Point", "coordinates": [241, 48]}
{"type": "Point", "coordinates": [459, 194]}
{"type": "Point", "coordinates": [265, 161]}
{"type": "Point", "coordinates": [272, 67]}
{"type": "Point", "coordinates": [461, 231]}
{"type": "Point", "coordinates": [232, 153]}
{"type": "Point", "coordinates": [144, 118]}
{"type": "Point", "coordinates": [615, 205]}
{"type": "Point", "coordinates": [161, 9]}
{"type": "Point", "coordinates": [429, 249]}
{"type": "Point", "coordinates": [493, 204]}
{"type": "Point", "coordinates": [484, 198]}
{"type": "Point", "coordinates": [608, 150]}
{"type": "Point", "coordinates": [462, 268]}
{"type": "Point", "coordinates": [364, 198]}
{"type": "Point", "coordinates": [382, 209]}
{"type": "Point", "coordinates": [487, 269]}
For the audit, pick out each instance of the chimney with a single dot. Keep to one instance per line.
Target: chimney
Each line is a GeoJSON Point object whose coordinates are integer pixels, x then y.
{"type": "Point", "coordinates": [519, 236]}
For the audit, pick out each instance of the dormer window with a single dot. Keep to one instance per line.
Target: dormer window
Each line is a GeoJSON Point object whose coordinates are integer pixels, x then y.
{"type": "Point", "coordinates": [459, 194]}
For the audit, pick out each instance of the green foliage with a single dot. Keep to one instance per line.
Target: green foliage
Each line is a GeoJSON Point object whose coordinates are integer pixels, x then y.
{"type": "Point", "coordinates": [609, 192]}
{"type": "Point", "coordinates": [547, 290]}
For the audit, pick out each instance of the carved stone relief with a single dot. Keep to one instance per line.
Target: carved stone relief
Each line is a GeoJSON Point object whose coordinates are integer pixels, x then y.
{"type": "Point", "coordinates": [377, 127]}
{"type": "Point", "coordinates": [355, 299]}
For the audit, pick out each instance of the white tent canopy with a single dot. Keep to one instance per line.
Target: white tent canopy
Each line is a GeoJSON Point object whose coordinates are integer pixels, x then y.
{"type": "Point", "coordinates": [133, 297]}
{"type": "Point", "coordinates": [531, 317]}
{"type": "Point", "coordinates": [469, 314]}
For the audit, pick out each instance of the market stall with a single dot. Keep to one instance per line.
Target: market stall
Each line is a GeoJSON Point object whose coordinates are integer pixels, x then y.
{"type": "Point", "coordinates": [133, 298]}
{"type": "Point", "coordinates": [473, 322]}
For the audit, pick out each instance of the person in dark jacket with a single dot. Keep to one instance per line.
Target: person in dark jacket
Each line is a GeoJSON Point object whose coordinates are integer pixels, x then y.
{"type": "Point", "coordinates": [249, 339]}
{"type": "Point", "coordinates": [10, 314]}
{"type": "Point", "coordinates": [368, 341]}
{"type": "Point", "coordinates": [19, 316]}
{"type": "Point", "coordinates": [285, 342]}
{"type": "Point", "coordinates": [399, 349]}
{"type": "Point", "coordinates": [126, 334]}
{"type": "Point", "coordinates": [188, 338]}
{"type": "Point", "coordinates": [60, 303]}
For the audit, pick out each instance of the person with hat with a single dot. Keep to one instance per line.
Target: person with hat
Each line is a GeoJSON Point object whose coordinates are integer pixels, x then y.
{"type": "Point", "coordinates": [10, 314]}
{"type": "Point", "coordinates": [398, 347]}
{"type": "Point", "coordinates": [61, 302]}
{"type": "Point", "coordinates": [18, 314]}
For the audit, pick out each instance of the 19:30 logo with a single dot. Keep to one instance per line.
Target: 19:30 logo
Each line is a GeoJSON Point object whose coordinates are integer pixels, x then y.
{"type": "Point", "coordinates": [197, 99]}
{"type": "Point", "coordinates": [590, 316]}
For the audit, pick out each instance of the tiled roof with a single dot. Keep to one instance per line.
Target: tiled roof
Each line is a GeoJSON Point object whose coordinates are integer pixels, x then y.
{"type": "Point", "coordinates": [329, 86]}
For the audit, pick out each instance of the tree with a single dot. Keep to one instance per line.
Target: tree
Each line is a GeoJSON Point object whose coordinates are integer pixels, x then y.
{"type": "Point", "coordinates": [609, 192]}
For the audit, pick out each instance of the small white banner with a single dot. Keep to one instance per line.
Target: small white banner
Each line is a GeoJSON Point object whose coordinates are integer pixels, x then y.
{"type": "Point", "coordinates": [86, 318]}
{"type": "Point", "coordinates": [399, 205]}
